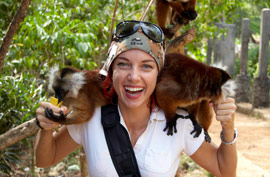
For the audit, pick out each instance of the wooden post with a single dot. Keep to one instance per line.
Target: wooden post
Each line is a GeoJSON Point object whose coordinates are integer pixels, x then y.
{"type": "Point", "coordinates": [242, 79]}
{"type": "Point", "coordinates": [244, 46]}
{"type": "Point", "coordinates": [260, 97]}
{"type": "Point", "coordinates": [224, 51]}
{"type": "Point", "coordinates": [209, 51]}
{"type": "Point", "coordinates": [217, 46]}
{"type": "Point", "coordinates": [228, 48]}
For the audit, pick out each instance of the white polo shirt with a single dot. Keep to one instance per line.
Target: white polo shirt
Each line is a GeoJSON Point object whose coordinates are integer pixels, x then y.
{"type": "Point", "coordinates": [157, 154]}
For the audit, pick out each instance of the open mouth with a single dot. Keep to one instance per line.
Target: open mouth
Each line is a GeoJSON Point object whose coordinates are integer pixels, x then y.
{"type": "Point", "coordinates": [133, 92]}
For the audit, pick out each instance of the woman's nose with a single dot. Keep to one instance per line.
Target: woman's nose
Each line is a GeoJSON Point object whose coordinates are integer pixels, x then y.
{"type": "Point", "coordinates": [134, 75]}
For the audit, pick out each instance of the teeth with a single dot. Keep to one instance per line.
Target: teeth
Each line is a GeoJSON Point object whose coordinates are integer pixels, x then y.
{"type": "Point", "coordinates": [132, 89]}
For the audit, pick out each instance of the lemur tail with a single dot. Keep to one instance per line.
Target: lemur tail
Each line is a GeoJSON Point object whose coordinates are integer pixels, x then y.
{"type": "Point", "coordinates": [228, 89]}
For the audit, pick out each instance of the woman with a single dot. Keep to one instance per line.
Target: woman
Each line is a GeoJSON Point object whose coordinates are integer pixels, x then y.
{"type": "Point", "coordinates": [136, 56]}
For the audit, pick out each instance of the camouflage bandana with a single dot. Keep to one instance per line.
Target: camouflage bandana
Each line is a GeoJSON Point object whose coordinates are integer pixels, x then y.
{"type": "Point", "coordinates": [137, 40]}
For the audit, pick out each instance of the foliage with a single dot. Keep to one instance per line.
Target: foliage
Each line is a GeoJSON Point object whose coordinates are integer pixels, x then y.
{"type": "Point", "coordinates": [231, 12]}
{"type": "Point", "coordinates": [7, 10]}
{"type": "Point", "coordinates": [8, 157]}
{"type": "Point", "coordinates": [253, 55]}
{"type": "Point", "coordinates": [19, 97]}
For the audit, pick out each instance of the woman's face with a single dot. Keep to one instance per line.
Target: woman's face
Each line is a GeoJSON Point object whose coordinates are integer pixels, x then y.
{"type": "Point", "coordinates": [134, 78]}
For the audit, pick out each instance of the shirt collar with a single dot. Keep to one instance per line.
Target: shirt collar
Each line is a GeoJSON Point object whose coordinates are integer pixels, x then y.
{"type": "Point", "coordinates": [156, 115]}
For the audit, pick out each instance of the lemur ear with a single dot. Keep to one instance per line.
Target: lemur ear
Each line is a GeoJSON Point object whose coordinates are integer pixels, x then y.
{"type": "Point", "coordinates": [224, 76]}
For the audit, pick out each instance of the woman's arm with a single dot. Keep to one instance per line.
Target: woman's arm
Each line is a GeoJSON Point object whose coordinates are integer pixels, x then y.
{"type": "Point", "coordinates": [51, 147]}
{"type": "Point", "coordinates": [222, 160]}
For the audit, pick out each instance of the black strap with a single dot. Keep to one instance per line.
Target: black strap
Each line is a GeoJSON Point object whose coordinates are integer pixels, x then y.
{"type": "Point", "coordinates": [118, 143]}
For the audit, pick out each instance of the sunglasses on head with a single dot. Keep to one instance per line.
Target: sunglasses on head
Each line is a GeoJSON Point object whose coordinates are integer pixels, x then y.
{"type": "Point", "coordinates": [152, 31]}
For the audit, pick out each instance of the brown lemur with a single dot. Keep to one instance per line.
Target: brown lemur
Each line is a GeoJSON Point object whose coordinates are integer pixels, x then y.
{"type": "Point", "coordinates": [180, 11]}
{"type": "Point", "coordinates": [187, 83]}
{"type": "Point", "coordinates": [80, 91]}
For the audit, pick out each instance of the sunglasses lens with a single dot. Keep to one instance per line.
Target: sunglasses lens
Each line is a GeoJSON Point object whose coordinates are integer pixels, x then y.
{"type": "Point", "coordinates": [152, 31]}
{"type": "Point", "coordinates": [125, 29]}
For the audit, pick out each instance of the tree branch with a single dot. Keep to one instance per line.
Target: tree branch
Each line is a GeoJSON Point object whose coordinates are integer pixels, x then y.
{"type": "Point", "coordinates": [18, 133]}
{"type": "Point", "coordinates": [17, 19]}
{"type": "Point", "coordinates": [177, 45]}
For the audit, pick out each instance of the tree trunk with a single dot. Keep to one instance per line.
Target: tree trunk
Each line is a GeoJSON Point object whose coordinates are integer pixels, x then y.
{"type": "Point", "coordinates": [17, 19]}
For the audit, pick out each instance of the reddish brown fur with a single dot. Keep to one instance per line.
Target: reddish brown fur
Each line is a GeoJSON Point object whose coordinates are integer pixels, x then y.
{"type": "Point", "coordinates": [177, 45]}
{"type": "Point", "coordinates": [185, 82]}
{"type": "Point", "coordinates": [90, 96]}
{"type": "Point", "coordinates": [178, 15]}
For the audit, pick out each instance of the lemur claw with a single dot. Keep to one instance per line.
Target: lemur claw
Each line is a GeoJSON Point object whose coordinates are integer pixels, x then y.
{"type": "Point", "coordinates": [50, 115]}
{"type": "Point", "coordinates": [207, 137]}
{"type": "Point", "coordinates": [171, 126]}
{"type": "Point", "coordinates": [197, 130]}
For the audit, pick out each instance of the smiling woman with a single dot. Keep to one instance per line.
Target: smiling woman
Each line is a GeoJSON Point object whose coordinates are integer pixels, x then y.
{"type": "Point", "coordinates": [135, 58]}
{"type": "Point", "coordinates": [134, 78]}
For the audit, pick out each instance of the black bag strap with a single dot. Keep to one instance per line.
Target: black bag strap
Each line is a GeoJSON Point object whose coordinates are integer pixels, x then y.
{"type": "Point", "coordinates": [118, 143]}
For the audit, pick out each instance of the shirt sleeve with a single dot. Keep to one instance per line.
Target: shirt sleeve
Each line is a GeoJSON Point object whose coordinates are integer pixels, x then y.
{"type": "Point", "coordinates": [191, 144]}
{"type": "Point", "coordinates": [75, 131]}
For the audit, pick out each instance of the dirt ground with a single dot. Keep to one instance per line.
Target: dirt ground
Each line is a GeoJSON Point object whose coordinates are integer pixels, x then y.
{"type": "Point", "coordinates": [253, 145]}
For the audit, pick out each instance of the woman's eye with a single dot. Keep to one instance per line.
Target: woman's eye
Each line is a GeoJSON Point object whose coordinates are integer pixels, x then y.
{"type": "Point", "coordinates": [122, 64]}
{"type": "Point", "coordinates": [147, 66]}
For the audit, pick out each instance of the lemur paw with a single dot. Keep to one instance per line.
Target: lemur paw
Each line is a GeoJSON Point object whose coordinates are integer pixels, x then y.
{"type": "Point", "coordinates": [50, 115]}
{"type": "Point", "coordinates": [189, 14]}
{"type": "Point", "coordinates": [197, 130]}
{"type": "Point", "coordinates": [171, 126]}
{"type": "Point", "coordinates": [207, 137]}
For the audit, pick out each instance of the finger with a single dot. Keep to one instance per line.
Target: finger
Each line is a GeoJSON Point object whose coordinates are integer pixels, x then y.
{"type": "Point", "coordinates": [46, 123]}
{"type": "Point", "coordinates": [50, 106]}
{"type": "Point", "coordinates": [225, 106]}
{"type": "Point", "coordinates": [40, 112]}
{"type": "Point", "coordinates": [224, 117]}
{"type": "Point", "coordinates": [48, 126]}
{"type": "Point", "coordinates": [43, 118]}
{"type": "Point", "coordinates": [56, 110]}
{"type": "Point", "coordinates": [64, 109]}
{"type": "Point", "coordinates": [221, 112]}
{"type": "Point", "coordinates": [211, 104]}
{"type": "Point", "coordinates": [227, 100]}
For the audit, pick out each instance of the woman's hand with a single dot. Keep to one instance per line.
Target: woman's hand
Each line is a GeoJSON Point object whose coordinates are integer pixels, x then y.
{"type": "Point", "coordinates": [225, 111]}
{"type": "Point", "coordinates": [44, 122]}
